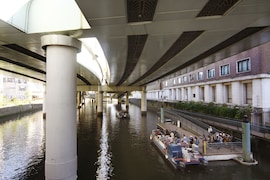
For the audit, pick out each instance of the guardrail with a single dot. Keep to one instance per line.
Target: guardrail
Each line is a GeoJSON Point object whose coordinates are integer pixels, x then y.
{"type": "Point", "coordinates": [186, 123]}
{"type": "Point", "coordinates": [222, 148]}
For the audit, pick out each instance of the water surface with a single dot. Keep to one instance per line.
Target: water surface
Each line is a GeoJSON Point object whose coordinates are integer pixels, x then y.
{"type": "Point", "coordinates": [109, 148]}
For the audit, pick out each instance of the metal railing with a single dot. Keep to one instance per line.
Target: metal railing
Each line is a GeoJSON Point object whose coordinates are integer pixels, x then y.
{"type": "Point", "coordinates": [222, 148]}
{"type": "Point", "coordinates": [186, 123]}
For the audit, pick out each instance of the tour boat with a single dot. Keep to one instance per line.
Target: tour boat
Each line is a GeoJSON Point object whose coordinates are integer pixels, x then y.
{"type": "Point", "coordinates": [179, 154]}
{"type": "Point", "coordinates": [122, 115]}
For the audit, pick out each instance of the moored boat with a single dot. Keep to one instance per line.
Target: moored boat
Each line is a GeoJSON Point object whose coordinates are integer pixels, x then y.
{"type": "Point", "coordinates": [180, 154]}
{"type": "Point", "coordinates": [122, 115]}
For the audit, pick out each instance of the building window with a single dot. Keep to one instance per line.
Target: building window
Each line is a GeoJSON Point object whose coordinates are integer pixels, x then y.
{"type": "Point", "coordinates": [211, 73]}
{"type": "Point", "coordinates": [191, 77]}
{"type": "Point", "coordinates": [225, 70]}
{"type": "Point", "coordinates": [184, 79]}
{"type": "Point", "coordinates": [243, 65]}
{"type": "Point", "coordinates": [179, 80]}
{"type": "Point", "coordinates": [200, 76]}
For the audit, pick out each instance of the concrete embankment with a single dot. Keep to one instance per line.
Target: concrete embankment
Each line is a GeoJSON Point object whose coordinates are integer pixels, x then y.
{"type": "Point", "coordinates": [6, 111]}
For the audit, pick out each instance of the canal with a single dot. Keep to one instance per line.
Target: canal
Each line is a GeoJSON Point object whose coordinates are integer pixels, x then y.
{"type": "Point", "coordinates": [109, 148]}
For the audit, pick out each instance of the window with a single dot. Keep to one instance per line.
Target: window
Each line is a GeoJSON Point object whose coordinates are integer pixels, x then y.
{"type": "Point", "coordinates": [179, 80]}
{"type": "Point", "coordinates": [191, 77]}
{"type": "Point", "coordinates": [225, 70]}
{"type": "Point", "coordinates": [184, 79]}
{"type": "Point", "coordinates": [211, 73]}
{"type": "Point", "coordinates": [200, 76]}
{"type": "Point", "coordinates": [243, 65]}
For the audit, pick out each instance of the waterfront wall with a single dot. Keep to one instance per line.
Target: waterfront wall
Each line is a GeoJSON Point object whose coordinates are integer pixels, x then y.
{"type": "Point", "coordinates": [6, 111]}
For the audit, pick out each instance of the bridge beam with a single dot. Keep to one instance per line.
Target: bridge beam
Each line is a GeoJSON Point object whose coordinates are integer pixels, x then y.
{"type": "Point", "coordinates": [108, 88]}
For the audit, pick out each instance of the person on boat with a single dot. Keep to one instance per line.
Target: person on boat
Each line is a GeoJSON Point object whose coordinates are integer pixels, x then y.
{"type": "Point", "coordinates": [178, 140]}
{"type": "Point", "coordinates": [191, 141]}
{"type": "Point", "coordinates": [197, 141]}
{"type": "Point", "coordinates": [204, 138]}
{"type": "Point", "coordinates": [210, 130]}
{"type": "Point", "coordinates": [185, 139]}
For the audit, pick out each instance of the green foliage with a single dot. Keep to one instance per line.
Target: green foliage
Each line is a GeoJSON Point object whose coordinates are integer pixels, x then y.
{"type": "Point", "coordinates": [214, 109]}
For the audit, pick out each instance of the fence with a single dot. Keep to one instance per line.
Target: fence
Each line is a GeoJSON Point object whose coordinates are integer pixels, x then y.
{"type": "Point", "coordinates": [222, 148]}
{"type": "Point", "coordinates": [186, 123]}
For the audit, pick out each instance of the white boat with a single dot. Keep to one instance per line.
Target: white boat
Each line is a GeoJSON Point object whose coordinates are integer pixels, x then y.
{"type": "Point", "coordinates": [122, 115]}
{"type": "Point", "coordinates": [177, 153]}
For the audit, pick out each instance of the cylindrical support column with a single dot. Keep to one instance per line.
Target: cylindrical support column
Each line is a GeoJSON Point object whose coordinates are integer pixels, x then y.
{"type": "Point", "coordinates": [79, 99]}
{"type": "Point", "coordinates": [143, 102]}
{"type": "Point", "coordinates": [100, 104]}
{"type": "Point", "coordinates": [44, 103]}
{"type": "Point", "coordinates": [127, 102]}
{"type": "Point", "coordinates": [162, 113]}
{"type": "Point", "coordinates": [246, 140]}
{"type": "Point", "coordinates": [61, 129]}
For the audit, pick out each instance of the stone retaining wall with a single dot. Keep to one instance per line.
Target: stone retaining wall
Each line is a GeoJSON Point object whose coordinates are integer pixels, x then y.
{"type": "Point", "coordinates": [6, 111]}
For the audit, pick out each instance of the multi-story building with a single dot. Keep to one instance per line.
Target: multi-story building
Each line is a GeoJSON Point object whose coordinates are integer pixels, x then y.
{"type": "Point", "coordinates": [16, 88]}
{"type": "Point", "coordinates": [241, 79]}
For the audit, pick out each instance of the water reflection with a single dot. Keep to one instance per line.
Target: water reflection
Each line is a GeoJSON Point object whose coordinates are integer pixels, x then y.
{"type": "Point", "coordinates": [21, 146]}
{"type": "Point", "coordinates": [110, 148]}
{"type": "Point", "coordinates": [105, 168]}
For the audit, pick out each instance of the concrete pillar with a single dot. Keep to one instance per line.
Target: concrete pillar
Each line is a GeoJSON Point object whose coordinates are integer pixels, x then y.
{"type": "Point", "coordinates": [119, 101]}
{"type": "Point", "coordinates": [182, 94]}
{"type": "Point", "coordinates": [246, 140]}
{"type": "Point", "coordinates": [44, 103]}
{"type": "Point", "coordinates": [207, 93]}
{"type": "Point", "coordinates": [79, 99]}
{"type": "Point", "coordinates": [127, 102]}
{"type": "Point", "coordinates": [61, 129]}
{"type": "Point", "coordinates": [96, 98]}
{"type": "Point", "coordinates": [265, 101]}
{"type": "Point", "coordinates": [100, 104]}
{"type": "Point", "coordinates": [196, 94]}
{"type": "Point", "coordinates": [189, 93]}
{"type": "Point", "coordinates": [257, 93]}
{"type": "Point", "coordinates": [219, 93]}
{"type": "Point", "coordinates": [236, 96]}
{"type": "Point", "coordinates": [143, 102]}
{"type": "Point", "coordinates": [162, 118]}
{"type": "Point", "coordinates": [177, 94]}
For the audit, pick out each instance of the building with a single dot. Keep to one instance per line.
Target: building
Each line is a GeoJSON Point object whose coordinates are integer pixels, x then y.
{"type": "Point", "coordinates": [240, 79]}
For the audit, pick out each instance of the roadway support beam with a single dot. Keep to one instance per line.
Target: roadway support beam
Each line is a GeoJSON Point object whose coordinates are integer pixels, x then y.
{"type": "Point", "coordinates": [143, 102]}
{"type": "Point", "coordinates": [61, 129]}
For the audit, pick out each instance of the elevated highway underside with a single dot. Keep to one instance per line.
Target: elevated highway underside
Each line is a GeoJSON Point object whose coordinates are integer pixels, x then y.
{"type": "Point", "coordinates": [144, 41]}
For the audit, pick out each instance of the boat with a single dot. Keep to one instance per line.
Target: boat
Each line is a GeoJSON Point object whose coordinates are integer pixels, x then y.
{"type": "Point", "coordinates": [122, 115]}
{"type": "Point", "coordinates": [179, 154]}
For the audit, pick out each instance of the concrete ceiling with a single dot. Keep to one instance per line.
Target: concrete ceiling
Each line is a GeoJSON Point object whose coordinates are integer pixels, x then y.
{"type": "Point", "coordinates": [144, 40]}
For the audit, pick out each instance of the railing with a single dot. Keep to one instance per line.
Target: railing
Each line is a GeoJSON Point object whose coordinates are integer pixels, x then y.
{"type": "Point", "coordinates": [186, 123]}
{"type": "Point", "coordinates": [222, 148]}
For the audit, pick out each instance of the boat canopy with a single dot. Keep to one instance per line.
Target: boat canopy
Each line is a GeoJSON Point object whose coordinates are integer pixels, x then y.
{"type": "Point", "coordinates": [174, 151]}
